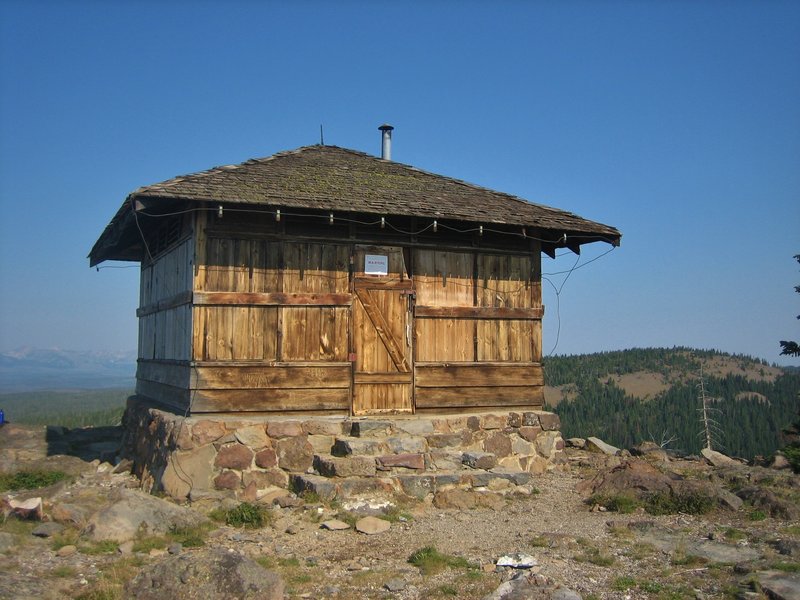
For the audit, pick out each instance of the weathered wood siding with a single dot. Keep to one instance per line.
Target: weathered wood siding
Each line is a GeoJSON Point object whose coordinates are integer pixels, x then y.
{"type": "Point", "coordinates": [165, 325]}
{"type": "Point", "coordinates": [477, 330]}
{"type": "Point", "coordinates": [271, 325]}
{"type": "Point", "coordinates": [241, 315]}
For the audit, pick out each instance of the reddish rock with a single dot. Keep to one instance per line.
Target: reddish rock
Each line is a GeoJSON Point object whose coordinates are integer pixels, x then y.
{"type": "Point", "coordinates": [228, 480]}
{"type": "Point", "coordinates": [294, 454]}
{"type": "Point", "coordinates": [322, 427]}
{"type": "Point", "coordinates": [234, 456]}
{"type": "Point", "coordinates": [473, 423]}
{"type": "Point", "coordinates": [514, 420]}
{"type": "Point", "coordinates": [529, 434]}
{"type": "Point", "coordinates": [372, 525]}
{"type": "Point", "coordinates": [445, 440]}
{"type": "Point", "coordinates": [267, 458]}
{"type": "Point", "coordinates": [249, 493]}
{"type": "Point", "coordinates": [183, 436]}
{"type": "Point", "coordinates": [549, 421]}
{"type": "Point", "coordinates": [205, 432]}
{"type": "Point", "coordinates": [69, 514]}
{"type": "Point", "coordinates": [480, 460]}
{"type": "Point", "coordinates": [29, 509]}
{"type": "Point", "coordinates": [498, 444]}
{"type": "Point", "coordinates": [635, 477]}
{"type": "Point", "coordinates": [284, 429]}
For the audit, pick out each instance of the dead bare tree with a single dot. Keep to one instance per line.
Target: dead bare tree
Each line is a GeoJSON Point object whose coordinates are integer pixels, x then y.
{"type": "Point", "coordinates": [666, 438]}
{"type": "Point", "coordinates": [711, 432]}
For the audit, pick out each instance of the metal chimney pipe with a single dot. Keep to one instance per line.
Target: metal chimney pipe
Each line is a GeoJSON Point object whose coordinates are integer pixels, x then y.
{"type": "Point", "coordinates": [386, 141]}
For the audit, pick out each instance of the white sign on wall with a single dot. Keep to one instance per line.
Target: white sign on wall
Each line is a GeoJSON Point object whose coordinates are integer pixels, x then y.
{"type": "Point", "coordinates": [376, 264]}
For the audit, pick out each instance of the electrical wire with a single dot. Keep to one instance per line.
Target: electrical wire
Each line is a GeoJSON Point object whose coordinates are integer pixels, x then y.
{"type": "Point", "coordinates": [359, 222]}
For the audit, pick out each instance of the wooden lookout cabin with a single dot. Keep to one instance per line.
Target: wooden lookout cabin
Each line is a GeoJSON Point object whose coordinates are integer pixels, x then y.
{"type": "Point", "coordinates": [325, 281]}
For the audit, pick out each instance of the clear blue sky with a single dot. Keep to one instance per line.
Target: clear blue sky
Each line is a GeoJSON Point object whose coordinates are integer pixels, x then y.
{"type": "Point", "coordinates": [676, 122]}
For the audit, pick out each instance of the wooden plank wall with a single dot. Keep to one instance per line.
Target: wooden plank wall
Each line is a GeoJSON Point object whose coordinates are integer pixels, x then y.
{"type": "Point", "coordinates": [477, 330]}
{"type": "Point", "coordinates": [275, 313]}
{"type": "Point", "coordinates": [165, 325]}
{"type": "Point", "coordinates": [234, 322]}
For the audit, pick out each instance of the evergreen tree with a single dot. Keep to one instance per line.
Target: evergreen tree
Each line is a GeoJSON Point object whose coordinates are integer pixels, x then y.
{"type": "Point", "coordinates": [792, 348]}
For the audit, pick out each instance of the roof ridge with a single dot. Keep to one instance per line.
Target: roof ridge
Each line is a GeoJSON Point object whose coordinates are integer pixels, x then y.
{"type": "Point", "coordinates": [177, 179]}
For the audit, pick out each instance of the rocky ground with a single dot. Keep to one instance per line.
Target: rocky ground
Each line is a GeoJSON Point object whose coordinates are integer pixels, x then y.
{"type": "Point", "coordinates": [101, 538]}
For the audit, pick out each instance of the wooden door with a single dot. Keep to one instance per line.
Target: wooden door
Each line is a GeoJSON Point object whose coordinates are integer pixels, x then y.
{"type": "Point", "coordinates": [381, 341]}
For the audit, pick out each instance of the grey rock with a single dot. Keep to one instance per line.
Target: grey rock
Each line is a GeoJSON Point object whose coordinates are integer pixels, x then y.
{"type": "Point", "coordinates": [69, 513]}
{"type": "Point", "coordinates": [717, 459]}
{"type": "Point", "coordinates": [322, 486]}
{"type": "Point", "coordinates": [786, 547]}
{"type": "Point", "coordinates": [133, 512]}
{"type": "Point", "coordinates": [594, 444]}
{"type": "Point", "coordinates": [214, 575]}
{"type": "Point", "coordinates": [350, 446]}
{"type": "Point", "coordinates": [729, 500]}
{"type": "Point", "coordinates": [414, 426]}
{"type": "Point", "coordinates": [417, 486]}
{"type": "Point", "coordinates": [395, 585]}
{"type": "Point", "coordinates": [345, 466]}
{"type": "Point", "coordinates": [370, 428]}
{"type": "Point", "coordinates": [334, 525]}
{"type": "Point", "coordinates": [779, 585]}
{"type": "Point", "coordinates": [447, 460]}
{"type": "Point", "coordinates": [175, 548]}
{"type": "Point", "coordinates": [407, 444]}
{"type": "Point", "coordinates": [46, 530]}
{"type": "Point", "coordinates": [710, 550]}
{"type": "Point", "coordinates": [479, 460]}
{"type": "Point", "coordinates": [530, 588]}
{"type": "Point", "coordinates": [767, 500]}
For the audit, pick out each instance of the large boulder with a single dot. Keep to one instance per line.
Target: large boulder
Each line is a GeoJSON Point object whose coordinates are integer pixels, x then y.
{"type": "Point", "coordinates": [768, 501]}
{"type": "Point", "coordinates": [718, 459]}
{"type": "Point", "coordinates": [635, 477]}
{"type": "Point", "coordinates": [213, 575]}
{"type": "Point", "coordinates": [597, 445]}
{"type": "Point", "coordinates": [132, 512]}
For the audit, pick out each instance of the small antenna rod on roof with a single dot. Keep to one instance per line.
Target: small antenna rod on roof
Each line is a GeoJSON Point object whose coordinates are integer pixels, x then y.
{"type": "Point", "coordinates": [321, 138]}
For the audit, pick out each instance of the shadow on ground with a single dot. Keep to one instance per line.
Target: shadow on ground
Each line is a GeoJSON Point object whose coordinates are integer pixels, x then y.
{"type": "Point", "coordinates": [89, 443]}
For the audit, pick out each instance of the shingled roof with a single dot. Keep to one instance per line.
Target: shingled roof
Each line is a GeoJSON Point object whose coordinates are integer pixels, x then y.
{"type": "Point", "coordinates": [341, 180]}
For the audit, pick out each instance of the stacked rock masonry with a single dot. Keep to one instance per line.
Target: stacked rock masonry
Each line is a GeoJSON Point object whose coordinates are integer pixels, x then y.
{"type": "Point", "coordinates": [334, 457]}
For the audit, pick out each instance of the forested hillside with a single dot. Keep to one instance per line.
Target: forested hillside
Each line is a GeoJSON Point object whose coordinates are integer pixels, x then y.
{"type": "Point", "coordinates": [72, 408]}
{"type": "Point", "coordinates": [635, 395]}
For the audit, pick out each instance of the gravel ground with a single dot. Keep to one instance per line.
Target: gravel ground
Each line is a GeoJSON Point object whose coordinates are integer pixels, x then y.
{"type": "Point", "coordinates": [597, 554]}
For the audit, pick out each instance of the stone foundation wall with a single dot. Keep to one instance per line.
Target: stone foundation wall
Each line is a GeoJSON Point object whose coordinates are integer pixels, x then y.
{"type": "Point", "coordinates": [253, 458]}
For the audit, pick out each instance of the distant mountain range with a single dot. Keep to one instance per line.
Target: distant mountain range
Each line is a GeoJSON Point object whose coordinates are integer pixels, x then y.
{"type": "Point", "coordinates": [31, 369]}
